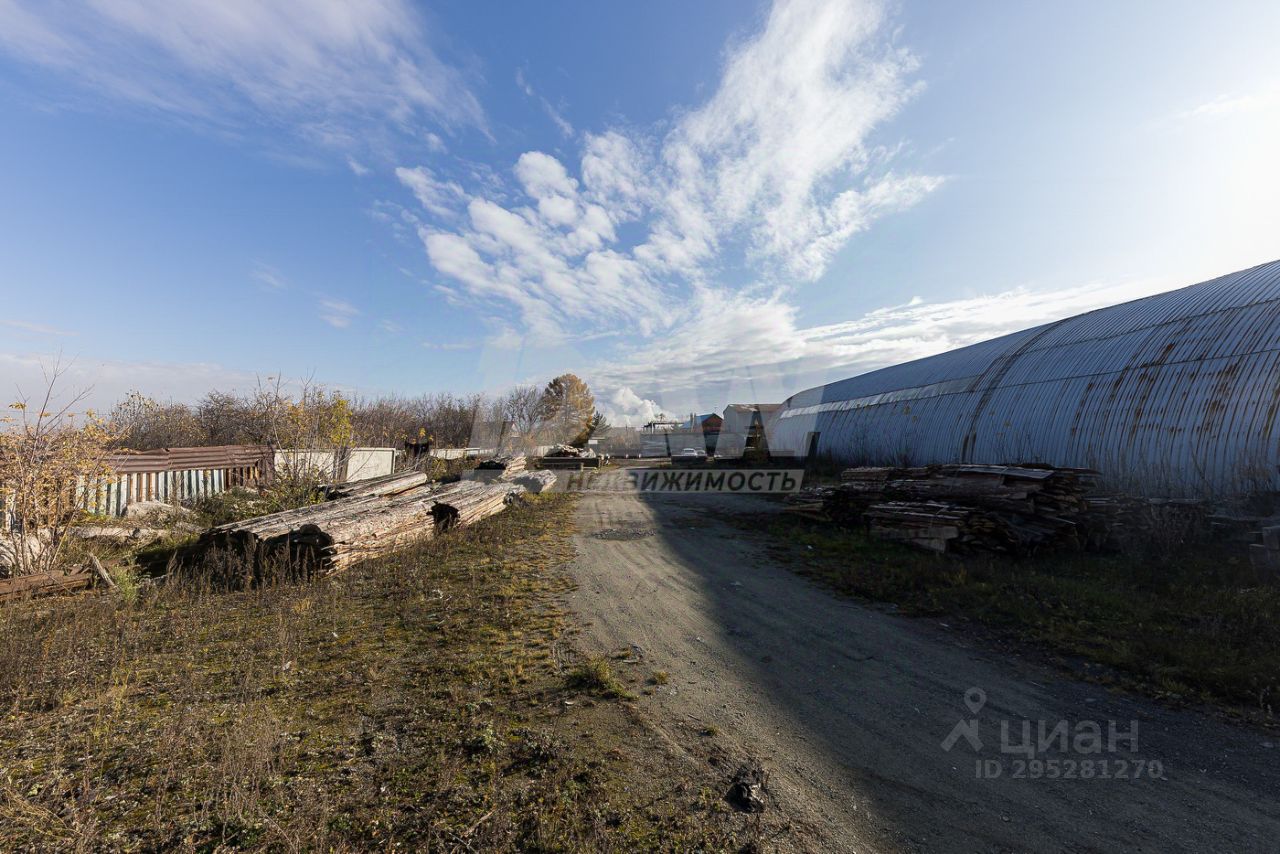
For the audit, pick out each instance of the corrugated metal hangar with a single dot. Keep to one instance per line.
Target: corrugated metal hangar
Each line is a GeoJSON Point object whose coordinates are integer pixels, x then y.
{"type": "Point", "coordinates": [1175, 395]}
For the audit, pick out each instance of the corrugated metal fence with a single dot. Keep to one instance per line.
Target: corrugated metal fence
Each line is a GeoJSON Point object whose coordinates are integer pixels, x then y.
{"type": "Point", "coordinates": [174, 474]}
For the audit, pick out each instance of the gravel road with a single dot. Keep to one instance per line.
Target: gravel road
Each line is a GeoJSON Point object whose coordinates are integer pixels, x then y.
{"type": "Point", "coordinates": [848, 706]}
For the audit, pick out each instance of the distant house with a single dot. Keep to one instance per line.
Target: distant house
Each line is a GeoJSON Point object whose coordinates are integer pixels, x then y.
{"type": "Point", "coordinates": [664, 437]}
{"type": "Point", "coordinates": [744, 429]}
{"type": "Point", "coordinates": [709, 424]}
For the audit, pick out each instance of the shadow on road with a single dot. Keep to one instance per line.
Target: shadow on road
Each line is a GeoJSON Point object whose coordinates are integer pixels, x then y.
{"type": "Point", "coordinates": [853, 705]}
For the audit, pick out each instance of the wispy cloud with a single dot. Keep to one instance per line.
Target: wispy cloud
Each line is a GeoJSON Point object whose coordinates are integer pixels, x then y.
{"type": "Point", "coordinates": [775, 172]}
{"type": "Point", "coordinates": [1263, 98]}
{"type": "Point", "coordinates": [449, 345]}
{"type": "Point", "coordinates": [729, 338]}
{"type": "Point", "coordinates": [333, 70]}
{"type": "Point", "coordinates": [36, 328]}
{"type": "Point", "coordinates": [562, 124]}
{"type": "Point", "coordinates": [437, 196]}
{"type": "Point", "coordinates": [357, 168]}
{"type": "Point", "coordinates": [267, 275]}
{"type": "Point", "coordinates": [338, 313]}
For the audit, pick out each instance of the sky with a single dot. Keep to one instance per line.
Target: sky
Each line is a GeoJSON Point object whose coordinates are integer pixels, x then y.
{"type": "Point", "coordinates": [686, 204]}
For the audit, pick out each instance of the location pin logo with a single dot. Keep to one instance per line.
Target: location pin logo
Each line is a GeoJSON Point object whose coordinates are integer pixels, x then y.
{"type": "Point", "coordinates": [975, 699]}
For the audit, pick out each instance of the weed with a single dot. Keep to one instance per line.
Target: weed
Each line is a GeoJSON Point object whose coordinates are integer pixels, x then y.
{"type": "Point", "coordinates": [127, 583]}
{"type": "Point", "coordinates": [595, 676]}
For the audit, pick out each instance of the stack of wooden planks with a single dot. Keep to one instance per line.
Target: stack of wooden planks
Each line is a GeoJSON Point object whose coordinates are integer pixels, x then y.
{"type": "Point", "coordinates": [508, 464]}
{"type": "Point", "coordinates": [385, 485]}
{"type": "Point", "coordinates": [942, 527]}
{"type": "Point", "coordinates": [962, 507]}
{"type": "Point", "coordinates": [375, 519]}
{"type": "Point", "coordinates": [1021, 489]}
{"type": "Point", "coordinates": [44, 583]}
{"type": "Point", "coordinates": [536, 481]}
{"type": "Point", "coordinates": [1115, 521]}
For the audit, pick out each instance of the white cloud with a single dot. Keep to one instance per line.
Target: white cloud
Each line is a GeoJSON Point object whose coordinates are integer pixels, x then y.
{"type": "Point", "coordinates": [442, 198]}
{"type": "Point", "coordinates": [782, 150]}
{"type": "Point", "coordinates": [337, 313]}
{"type": "Point", "coordinates": [333, 69]}
{"type": "Point", "coordinates": [625, 407]}
{"type": "Point", "coordinates": [729, 338]}
{"type": "Point", "coordinates": [435, 144]}
{"type": "Point", "coordinates": [776, 171]}
{"type": "Point", "coordinates": [1266, 98]}
{"type": "Point", "coordinates": [357, 168]}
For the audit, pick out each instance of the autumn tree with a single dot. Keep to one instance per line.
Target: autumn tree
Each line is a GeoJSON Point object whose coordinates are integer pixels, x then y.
{"type": "Point", "coordinates": [566, 409]}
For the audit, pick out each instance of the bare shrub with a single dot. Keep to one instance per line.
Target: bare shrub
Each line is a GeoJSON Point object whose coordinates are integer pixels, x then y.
{"type": "Point", "coordinates": [47, 454]}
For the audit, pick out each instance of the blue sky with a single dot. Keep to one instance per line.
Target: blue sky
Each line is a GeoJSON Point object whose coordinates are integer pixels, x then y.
{"type": "Point", "coordinates": [687, 204]}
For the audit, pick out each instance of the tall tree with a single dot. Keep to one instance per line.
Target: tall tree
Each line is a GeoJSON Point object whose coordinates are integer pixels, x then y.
{"type": "Point", "coordinates": [567, 409]}
{"type": "Point", "coordinates": [522, 406]}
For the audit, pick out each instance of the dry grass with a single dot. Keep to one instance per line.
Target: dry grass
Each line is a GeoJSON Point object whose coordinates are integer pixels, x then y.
{"type": "Point", "coordinates": [413, 703]}
{"type": "Point", "coordinates": [594, 676]}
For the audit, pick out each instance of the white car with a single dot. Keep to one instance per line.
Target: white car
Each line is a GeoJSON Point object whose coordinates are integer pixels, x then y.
{"type": "Point", "coordinates": [689, 454]}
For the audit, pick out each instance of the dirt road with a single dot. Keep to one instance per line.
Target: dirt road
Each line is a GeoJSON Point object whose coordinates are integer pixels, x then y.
{"type": "Point", "coordinates": [848, 706]}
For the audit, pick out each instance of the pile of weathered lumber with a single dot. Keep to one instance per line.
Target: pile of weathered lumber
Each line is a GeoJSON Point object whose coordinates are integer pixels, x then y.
{"type": "Point", "coordinates": [1035, 490]}
{"type": "Point", "coordinates": [942, 527]}
{"type": "Point", "coordinates": [567, 451]}
{"type": "Point", "coordinates": [44, 583]}
{"type": "Point", "coordinates": [569, 457]}
{"type": "Point", "coordinates": [508, 464]}
{"type": "Point", "coordinates": [385, 485]}
{"type": "Point", "coordinates": [536, 481]}
{"type": "Point", "coordinates": [373, 519]}
{"type": "Point", "coordinates": [1116, 521]}
{"type": "Point", "coordinates": [1006, 509]}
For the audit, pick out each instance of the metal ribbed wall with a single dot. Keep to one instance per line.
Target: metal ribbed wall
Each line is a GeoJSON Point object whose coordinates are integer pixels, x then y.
{"type": "Point", "coordinates": [1176, 394]}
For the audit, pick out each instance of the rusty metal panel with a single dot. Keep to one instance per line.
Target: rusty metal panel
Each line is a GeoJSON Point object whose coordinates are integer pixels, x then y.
{"type": "Point", "coordinates": [175, 459]}
{"type": "Point", "coordinates": [1175, 394]}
